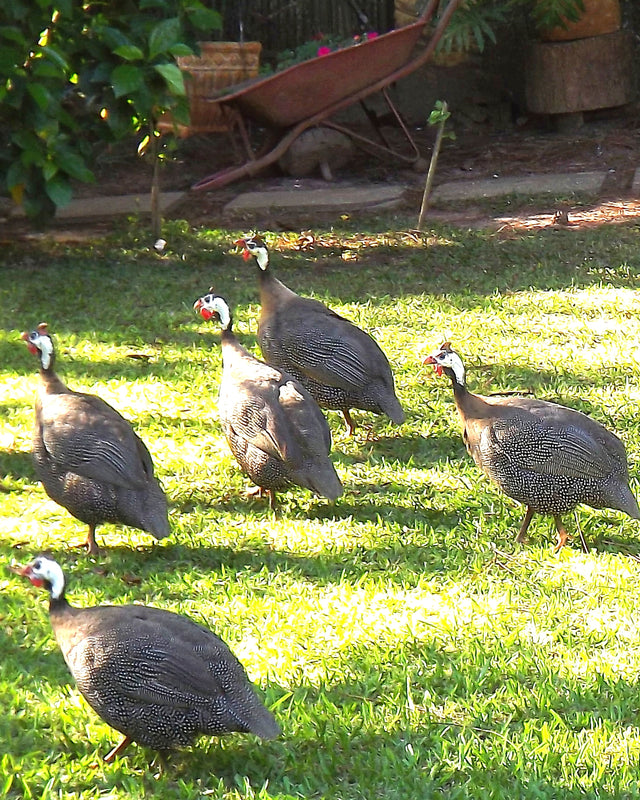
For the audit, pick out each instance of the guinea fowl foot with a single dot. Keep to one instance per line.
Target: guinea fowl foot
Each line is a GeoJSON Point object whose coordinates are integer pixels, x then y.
{"type": "Point", "coordinates": [562, 534]}
{"type": "Point", "coordinates": [259, 491]}
{"type": "Point", "coordinates": [522, 533]}
{"type": "Point", "coordinates": [90, 543]}
{"type": "Point", "coordinates": [117, 749]}
{"type": "Point", "coordinates": [351, 425]}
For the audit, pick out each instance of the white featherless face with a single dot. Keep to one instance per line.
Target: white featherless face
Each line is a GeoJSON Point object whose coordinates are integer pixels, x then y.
{"type": "Point", "coordinates": [42, 341]}
{"type": "Point", "coordinates": [260, 252]}
{"type": "Point", "coordinates": [446, 358]}
{"type": "Point", "coordinates": [262, 257]}
{"type": "Point", "coordinates": [214, 305]}
{"type": "Point", "coordinates": [44, 570]}
{"type": "Point", "coordinates": [458, 367]}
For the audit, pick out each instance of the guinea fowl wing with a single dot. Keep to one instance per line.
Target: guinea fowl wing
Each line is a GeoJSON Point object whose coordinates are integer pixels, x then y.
{"type": "Point", "coordinates": [152, 656]}
{"type": "Point", "coordinates": [254, 413]}
{"type": "Point", "coordinates": [325, 347]}
{"type": "Point", "coordinates": [304, 412]}
{"type": "Point", "coordinates": [85, 435]}
{"type": "Point", "coordinates": [536, 446]}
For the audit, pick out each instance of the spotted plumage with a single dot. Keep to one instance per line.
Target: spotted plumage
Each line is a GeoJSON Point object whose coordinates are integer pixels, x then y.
{"type": "Point", "coordinates": [339, 364]}
{"type": "Point", "coordinates": [542, 454]}
{"type": "Point", "coordinates": [88, 457]}
{"type": "Point", "coordinates": [157, 677]}
{"type": "Point", "coordinates": [274, 427]}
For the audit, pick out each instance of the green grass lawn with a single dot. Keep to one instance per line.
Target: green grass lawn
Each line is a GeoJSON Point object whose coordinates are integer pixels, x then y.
{"type": "Point", "coordinates": [407, 645]}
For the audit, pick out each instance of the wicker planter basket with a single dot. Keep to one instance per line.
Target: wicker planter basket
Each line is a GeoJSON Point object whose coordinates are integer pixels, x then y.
{"type": "Point", "coordinates": [219, 66]}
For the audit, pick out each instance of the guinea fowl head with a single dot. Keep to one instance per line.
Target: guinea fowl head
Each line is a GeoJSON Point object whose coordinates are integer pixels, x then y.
{"type": "Point", "coordinates": [40, 343]}
{"type": "Point", "coordinates": [257, 248]}
{"type": "Point", "coordinates": [212, 306]}
{"type": "Point", "coordinates": [43, 571]}
{"type": "Point", "coordinates": [445, 359]}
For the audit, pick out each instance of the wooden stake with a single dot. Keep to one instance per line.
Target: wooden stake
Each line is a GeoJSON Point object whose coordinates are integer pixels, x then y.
{"type": "Point", "coordinates": [432, 165]}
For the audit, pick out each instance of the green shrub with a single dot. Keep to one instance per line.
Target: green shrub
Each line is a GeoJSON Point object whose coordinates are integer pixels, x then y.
{"type": "Point", "coordinates": [77, 75]}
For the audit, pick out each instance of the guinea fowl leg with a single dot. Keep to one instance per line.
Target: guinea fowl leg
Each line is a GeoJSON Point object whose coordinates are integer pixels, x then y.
{"type": "Point", "coordinates": [562, 533]}
{"type": "Point", "coordinates": [90, 542]}
{"type": "Point", "coordinates": [522, 533]}
{"type": "Point", "coordinates": [351, 425]}
{"type": "Point", "coordinates": [92, 545]}
{"type": "Point", "coordinates": [258, 491]}
{"type": "Point", "coordinates": [585, 549]}
{"type": "Point", "coordinates": [117, 749]}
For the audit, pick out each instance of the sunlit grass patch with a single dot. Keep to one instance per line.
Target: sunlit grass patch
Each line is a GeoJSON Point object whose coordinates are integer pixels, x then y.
{"type": "Point", "coordinates": [408, 646]}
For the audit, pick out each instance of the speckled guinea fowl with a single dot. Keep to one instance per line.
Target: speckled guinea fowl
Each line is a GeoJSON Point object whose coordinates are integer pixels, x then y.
{"type": "Point", "coordinates": [273, 426]}
{"type": "Point", "coordinates": [88, 456]}
{"type": "Point", "coordinates": [542, 454]}
{"type": "Point", "coordinates": [157, 677]}
{"type": "Point", "coordinates": [340, 365]}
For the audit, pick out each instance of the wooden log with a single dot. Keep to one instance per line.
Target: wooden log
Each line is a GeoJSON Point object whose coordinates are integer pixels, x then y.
{"type": "Point", "coordinates": [581, 75]}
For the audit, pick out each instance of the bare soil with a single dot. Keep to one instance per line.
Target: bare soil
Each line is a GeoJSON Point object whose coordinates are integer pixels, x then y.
{"type": "Point", "coordinates": [609, 141]}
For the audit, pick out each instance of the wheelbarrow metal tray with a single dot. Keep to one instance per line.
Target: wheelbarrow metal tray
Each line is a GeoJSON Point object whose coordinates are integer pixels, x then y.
{"type": "Point", "coordinates": [306, 89]}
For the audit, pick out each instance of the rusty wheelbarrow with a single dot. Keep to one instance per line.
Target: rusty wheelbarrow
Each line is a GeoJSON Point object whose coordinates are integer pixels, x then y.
{"type": "Point", "coordinates": [308, 94]}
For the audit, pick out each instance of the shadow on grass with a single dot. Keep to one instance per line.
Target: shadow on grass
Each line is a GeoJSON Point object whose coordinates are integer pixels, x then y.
{"type": "Point", "coordinates": [357, 735]}
{"type": "Point", "coordinates": [17, 465]}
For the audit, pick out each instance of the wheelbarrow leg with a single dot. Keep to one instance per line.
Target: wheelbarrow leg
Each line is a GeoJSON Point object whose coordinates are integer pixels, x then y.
{"type": "Point", "coordinates": [384, 149]}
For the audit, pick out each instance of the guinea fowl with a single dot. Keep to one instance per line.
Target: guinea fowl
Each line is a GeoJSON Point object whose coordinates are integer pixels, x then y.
{"type": "Point", "coordinates": [157, 677]}
{"type": "Point", "coordinates": [340, 365]}
{"type": "Point", "coordinates": [88, 456]}
{"type": "Point", "coordinates": [273, 426]}
{"type": "Point", "coordinates": [542, 454]}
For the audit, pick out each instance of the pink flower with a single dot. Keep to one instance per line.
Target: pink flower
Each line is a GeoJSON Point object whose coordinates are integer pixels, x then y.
{"type": "Point", "coordinates": [324, 50]}
{"type": "Point", "coordinates": [372, 35]}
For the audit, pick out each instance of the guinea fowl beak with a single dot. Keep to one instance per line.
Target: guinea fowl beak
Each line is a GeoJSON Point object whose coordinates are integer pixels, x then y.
{"type": "Point", "coordinates": [30, 346]}
{"type": "Point", "coordinates": [204, 312]}
{"type": "Point", "coordinates": [437, 368]}
{"type": "Point", "coordinates": [26, 572]}
{"type": "Point", "coordinates": [246, 253]}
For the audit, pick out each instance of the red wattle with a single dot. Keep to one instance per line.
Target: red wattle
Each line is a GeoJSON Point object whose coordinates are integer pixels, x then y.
{"type": "Point", "coordinates": [206, 314]}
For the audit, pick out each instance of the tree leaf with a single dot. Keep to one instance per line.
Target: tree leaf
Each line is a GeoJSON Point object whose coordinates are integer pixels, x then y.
{"type": "Point", "coordinates": [126, 79]}
{"type": "Point", "coordinates": [129, 52]}
{"type": "Point", "coordinates": [74, 165]}
{"type": "Point", "coordinates": [164, 36]}
{"type": "Point", "coordinates": [39, 94]}
{"type": "Point", "coordinates": [204, 19]}
{"type": "Point", "coordinates": [173, 76]}
{"type": "Point", "coordinates": [59, 191]}
{"type": "Point", "coordinates": [16, 175]}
